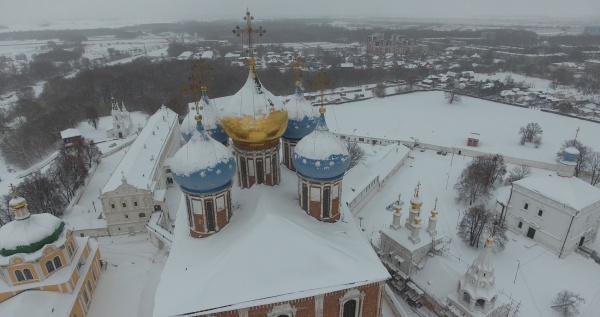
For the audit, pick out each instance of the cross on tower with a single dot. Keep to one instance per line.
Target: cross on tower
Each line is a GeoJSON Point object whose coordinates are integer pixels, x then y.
{"type": "Point", "coordinates": [297, 65]}
{"type": "Point", "coordinates": [322, 84]}
{"type": "Point", "coordinates": [192, 87]}
{"type": "Point", "coordinates": [250, 31]}
{"type": "Point", "coordinates": [417, 189]}
{"type": "Point", "coordinates": [13, 191]}
{"type": "Point", "coordinates": [576, 134]}
{"type": "Point", "coordinates": [435, 205]}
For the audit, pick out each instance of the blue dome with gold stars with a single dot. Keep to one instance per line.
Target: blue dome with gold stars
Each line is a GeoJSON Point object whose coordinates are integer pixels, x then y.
{"type": "Point", "coordinates": [321, 155]}
{"type": "Point", "coordinates": [302, 117]}
{"type": "Point", "coordinates": [203, 165]}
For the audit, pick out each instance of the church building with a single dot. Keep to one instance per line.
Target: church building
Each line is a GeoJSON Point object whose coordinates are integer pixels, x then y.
{"type": "Point", "coordinates": [121, 121]}
{"type": "Point", "coordinates": [44, 269]}
{"type": "Point", "coordinates": [277, 243]}
{"type": "Point", "coordinates": [558, 211]}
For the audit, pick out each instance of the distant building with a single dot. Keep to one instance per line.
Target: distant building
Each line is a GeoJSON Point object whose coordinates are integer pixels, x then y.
{"type": "Point", "coordinates": [397, 44]}
{"type": "Point", "coordinates": [137, 187]}
{"type": "Point", "coordinates": [591, 30]}
{"type": "Point", "coordinates": [70, 136]}
{"type": "Point", "coordinates": [121, 121]}
{"type": "Point", "coordinates": [558, 211]}
{"type": "Point", "coordinates": [44, 269]}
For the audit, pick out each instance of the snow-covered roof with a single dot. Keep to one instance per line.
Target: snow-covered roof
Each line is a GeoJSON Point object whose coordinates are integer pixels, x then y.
{"type": "Point", "coordinates": [570, 191]}
{"type": "Point", "coordinates": [503, 194]}
{"type": "Point", "coordinates": [208, 54]}
{"type": "Point", "coordinates": [271, 250]}
{"type": "Point", "coordinates": [69, 133]}
{"type": "Point", "coordinates": [27, 231]}
{"type": "Point", "coordinates": [249, 102]}
{"type": "Point", "coordinates": [139, 163]}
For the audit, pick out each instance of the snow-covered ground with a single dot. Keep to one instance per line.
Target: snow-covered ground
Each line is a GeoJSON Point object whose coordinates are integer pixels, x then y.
{"type": "Point", "coordinates": [128, 285]}
{"type": "Point", "coordinates": [427, 117]}
{"type": "Point", "coordinates": [534, 83]}
{"type": "Point", "coordinates": [541, 274]}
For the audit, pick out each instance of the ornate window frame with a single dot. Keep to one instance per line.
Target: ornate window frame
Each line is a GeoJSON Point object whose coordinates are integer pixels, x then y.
{"type": "Point", "coordinates": [283, 309]}
{"type": "Point", "coordinates": [353, 294]}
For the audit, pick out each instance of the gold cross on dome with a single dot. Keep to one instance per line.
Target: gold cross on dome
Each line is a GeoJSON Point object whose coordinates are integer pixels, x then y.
{"type": "Point", "coordinates": [321, 84]}
{"type": "Point", "coordinates": [202, 69]}
{"type": "Point", "coordinates": [250, 32]}
{"type": "Point", "coordinates": [297, 66]}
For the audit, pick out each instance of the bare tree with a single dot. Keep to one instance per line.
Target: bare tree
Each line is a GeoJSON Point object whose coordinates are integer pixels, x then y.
{"type": "Point", "coordinates": [68, 173]}
{"type": "Point", "coordinates": [42, 194]}
{"type": "Point", "coordinates": [584, 154]}
{"type": "Point", "coordinates": [357, 154]}
{"type": "Point", "coordinates": [92, 116]}
{"type": "Point", "coordinates": [517, 173]}
{"type": "Point", "coordinates": [473, 223]}
{"type": "Point", "coordinates": [87, 151]}
{"type": "Point", "coordinates": [450, 94]}
{"type": "Point", "coordinates": [6, 215]}
{"type": "Point", "coordinates": [567, 303]}
{"type": "Point", "coordinates": [379, 90]}
{"type": "Point", "coordinates": [531, 133]}
{"type": "Point", "coordinates": [478, 178]}
{"type": "Point", "coordinates": [594, 168]}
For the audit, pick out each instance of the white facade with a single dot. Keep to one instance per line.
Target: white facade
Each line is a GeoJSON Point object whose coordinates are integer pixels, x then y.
{"type": "Point", "coordinates": [137, 187]}
{"type": "Point", "coordinates": [559, 222]}
{"type": "Point", "coordinates": [121, 122]}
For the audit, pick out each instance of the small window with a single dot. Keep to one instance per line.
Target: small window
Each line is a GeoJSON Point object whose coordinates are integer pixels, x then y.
{"type": "Point", "coordinates": [520, 224]}
{"type": "Point", "coordinates": [142, 215]}
{"type": "Point", "coordinates": [135, 203]}
{"type": "Point", "coordinates": [27, 274]}
{"type": "Point", "coordinates": [118, 126]}
{"type": "Point", "coordinates": [86, 297]}
{"type": "Point", "coordinates": [19, 276]}
{"type": "Point", "coordinates": [94, 275]}
{"type": "Point", "coordinates": [57, 262]}
{"type": "Point", "coordinates": [168, 170]}
{"type": "Point", "coordinates": [124, 205]}
{"type": "Point", "coordinates": [89, 285]}
{"type": "Point", "coordinates": [112, 206]}
{"type": "Point", "coordinates": [540, 212]}
{"type": "Point", "coordinates": [50, 266]}
{"type": "Point", "coordinates": [361, 139]}
{"type": "Point", "coordinates": [126, 216]}
{"type": "Point", "coordinates": [526, 206]}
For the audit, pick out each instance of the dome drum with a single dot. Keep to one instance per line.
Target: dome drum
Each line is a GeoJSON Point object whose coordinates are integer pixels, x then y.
{"type": "Point", "coordinates": [321, 200]}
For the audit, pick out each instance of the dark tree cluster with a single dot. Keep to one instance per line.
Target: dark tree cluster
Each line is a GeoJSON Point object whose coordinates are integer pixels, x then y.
{"type": "Point", "coordinates": [477, 223]}
{"type": "Point", "coordinates": [52, 190]}
{"type": "Point", "coordinates": [477, 180]}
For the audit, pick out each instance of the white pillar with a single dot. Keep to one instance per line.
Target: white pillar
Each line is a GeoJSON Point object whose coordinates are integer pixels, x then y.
{"type": "Point", "coordinates": [397, 214]}
{"type": "Point", "coordinates": [432, 224]}
{"type": "Point", "coordinates": [416, 227]}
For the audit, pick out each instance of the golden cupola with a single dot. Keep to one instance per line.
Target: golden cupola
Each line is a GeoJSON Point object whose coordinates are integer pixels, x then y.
{"type": "Point", "coordinates": [255, 116]}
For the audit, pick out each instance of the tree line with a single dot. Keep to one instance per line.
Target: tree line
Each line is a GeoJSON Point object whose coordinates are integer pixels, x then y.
{"type": "Point", "coordinates": [52, 190]}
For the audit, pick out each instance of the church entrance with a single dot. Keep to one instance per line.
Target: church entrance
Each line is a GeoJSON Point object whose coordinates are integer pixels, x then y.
{"type": "Point", "coordinates": [120, 135]}
{"type": "Point", "coordinates": [581, 241]}
{"type": "Point", "coordinates": [530, 233]}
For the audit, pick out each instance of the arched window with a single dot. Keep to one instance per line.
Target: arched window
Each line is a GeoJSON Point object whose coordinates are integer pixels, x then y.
{"type": "Point", "coordinates": [350, 309]}
{"type": "Point", "coordinates": [57, 262]}
{"type": "Point", "coordinates": [466, 297]}
{"type": "Point", "coordinates": [19, 276]}
{"type": "Point", "coordinates": [50, 266]}
{"type": "Point", "coordinates": [142, 215]}
{"type": "Point", "coordinates": [283, 316]}
{"type": "Point", "coordinates": [480, 303]}
{"type": "Point", "coordinates": [28, 275]}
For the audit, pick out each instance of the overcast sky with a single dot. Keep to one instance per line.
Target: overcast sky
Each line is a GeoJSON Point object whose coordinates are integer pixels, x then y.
{"type": "Point", "coordinates": [41, 11]}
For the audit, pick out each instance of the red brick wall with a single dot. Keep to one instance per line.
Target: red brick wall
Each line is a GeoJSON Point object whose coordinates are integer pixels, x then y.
{"type": "Point", "coordinates": [305, 307]}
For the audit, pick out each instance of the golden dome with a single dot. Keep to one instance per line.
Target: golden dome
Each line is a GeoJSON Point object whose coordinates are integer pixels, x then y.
{"type": "Point", "coordinates": [259, 130]}
{"type": "Point", "coordinates": [255, 116]}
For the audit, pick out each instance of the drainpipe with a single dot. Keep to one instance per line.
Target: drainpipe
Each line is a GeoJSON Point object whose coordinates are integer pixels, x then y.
{"type": "Point", "coordinates": [568, 231]}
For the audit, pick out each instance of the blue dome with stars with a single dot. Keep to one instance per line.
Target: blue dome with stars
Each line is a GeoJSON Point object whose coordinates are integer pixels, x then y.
{"type": "Point", "coordinates": [302, 117]}
{"type": "Point", "coordinates": [209, 116]}
{"type": "Point", "coordinates": [203, 165]}
{"type": "Point", "coordinates": [321, 156]}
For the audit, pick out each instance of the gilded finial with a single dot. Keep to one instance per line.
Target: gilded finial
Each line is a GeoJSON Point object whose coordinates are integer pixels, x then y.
{"type": "Point", "coordinates": [13, 191]}
{"type": "Point", "coordinates": [198, 117]}
{"type": "Point", "coordinates": [322, 110]}
{"type": "Point", "coordinates": [197, 84]}
{"type": "Point", "coordinates": [490, 240]}
{"type": "Point", "coordinates": [322, 84]}
{"type": "Point", "coordinates": [297, 66]}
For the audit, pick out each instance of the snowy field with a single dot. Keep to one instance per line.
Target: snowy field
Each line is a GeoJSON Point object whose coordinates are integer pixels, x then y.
{"type": "Point", "coordinates": [533, 82]}
{"type": "Point", "coordinates": [541, 274]}
{"type": "Point", "coordinates": [427, 117]}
